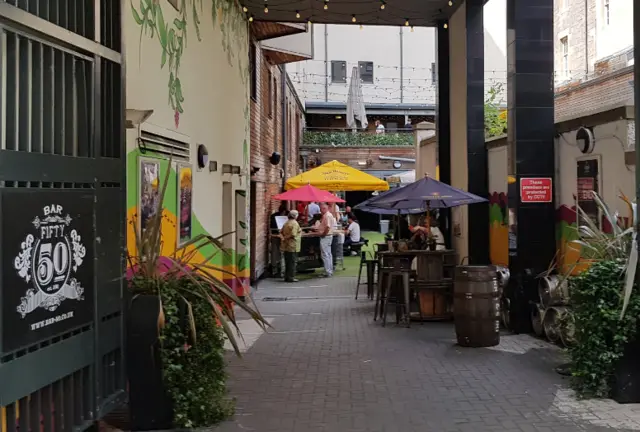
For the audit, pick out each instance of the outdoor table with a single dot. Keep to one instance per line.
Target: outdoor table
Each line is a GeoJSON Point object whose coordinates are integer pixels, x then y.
{"type": "Point", "coordinates": [309, 257]}
{"type": "Point", "coordinates": [430, 281]}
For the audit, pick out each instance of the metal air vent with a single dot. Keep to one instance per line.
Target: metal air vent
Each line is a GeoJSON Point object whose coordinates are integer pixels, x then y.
{"type": "Point", "coordinates": [151, 143]}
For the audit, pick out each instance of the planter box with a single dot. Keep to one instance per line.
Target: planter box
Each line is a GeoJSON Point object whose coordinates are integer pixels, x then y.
{"type": "Point", "coordinates": [149, 405]}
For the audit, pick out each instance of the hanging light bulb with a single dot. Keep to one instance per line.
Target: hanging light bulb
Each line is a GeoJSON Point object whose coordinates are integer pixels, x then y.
{"type": "Point", "coordinates": [406, 23]}
{"type": "Point", "coordinates": [450, 3]}
{"type": "Point", "coordinates": [251, 18]}
{"type": "Point", "coordinates": [411, 29]}
{"type": "Point", "coordinates": [353, 18]}
{"type": "Point", "coordinates": [446, 25]}
{"type": "Point", "coordinates": [297, 14]}
{"type": "Point", "coordinates": [361, 26]}
{"type": "Point", "coordinates": [244, 9]}
{"type": "Point", "coordinates": [326, 5]}
{"type": "Point", "coordinates": [382, 5]}
{"type": "Point", "coordinates": [309, 21]}
{"type": "Point", "coordinates": [266, 8]}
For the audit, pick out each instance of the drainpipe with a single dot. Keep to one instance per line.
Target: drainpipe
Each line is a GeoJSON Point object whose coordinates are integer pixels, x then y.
{"type": "Point", "coordinates": [586, 40]}
{"type": "Point", "coordinates": [401, 66]}
{"type": "Point", "coordinates": [326, 63]}
{"type": "Point", "coordinates": [285, 130]}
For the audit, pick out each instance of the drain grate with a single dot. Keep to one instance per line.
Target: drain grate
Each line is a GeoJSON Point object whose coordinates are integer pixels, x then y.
{"type": "Point", "coordinates": [275, 299]}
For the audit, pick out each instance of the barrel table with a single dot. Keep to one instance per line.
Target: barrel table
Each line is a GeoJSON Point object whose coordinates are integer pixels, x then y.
{"type": "Point", "coordinates": [476, 306]}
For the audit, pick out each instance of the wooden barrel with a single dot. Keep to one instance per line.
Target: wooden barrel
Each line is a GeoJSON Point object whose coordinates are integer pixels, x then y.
{"type": "Point", "coordinates": [434, 299]}
{"type": "Point", "coordinates": [537, 313]}
{"type": "Point", "coordinates": [505, 312]}
{"type": "Point", "coordinates": [553, 291]}
{"type": "Point", "coordinates": [476, 306]}
{"type": "Point", "coordinates": [567, 326]}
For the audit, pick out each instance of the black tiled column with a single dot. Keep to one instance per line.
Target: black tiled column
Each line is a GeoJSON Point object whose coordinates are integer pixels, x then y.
{"type": "Point", "coordinates": [476, 152]}
{"type": "Point", "coordinates": [443, 117]}
{"type": "Point", "coordinates": [636, 91]}
{"type": "Point", "coordinates": [531, 142]}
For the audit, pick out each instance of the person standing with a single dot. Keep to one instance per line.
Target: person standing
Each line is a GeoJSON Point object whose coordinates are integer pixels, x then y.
{"type": "Point", "coordinates": [326, 238]}
{"type": "Point", "coordinates": [313, 209]}
{"type": "Point", "coordinates": [290, 245]}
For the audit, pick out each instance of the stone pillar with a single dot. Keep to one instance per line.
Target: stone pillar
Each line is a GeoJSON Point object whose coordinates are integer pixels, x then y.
{"type": "Point", "coordinates": [531, 132]}
{"type": "Point", "coordinates": [426, 149]}
{"type": "Point", "coordinates": [470, 224]}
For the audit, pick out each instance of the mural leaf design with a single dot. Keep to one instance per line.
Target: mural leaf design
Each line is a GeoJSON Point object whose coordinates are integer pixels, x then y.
{"type": "Point", "coordinates": [173, 37]}
{"type": "Point", "coordinates": [243, 242]}
{"type": "Point", "coordinates": [242, 224]}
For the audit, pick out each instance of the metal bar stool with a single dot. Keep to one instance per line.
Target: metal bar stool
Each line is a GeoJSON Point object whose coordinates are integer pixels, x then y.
{"type": "Point", "coordinates": [371, 271]}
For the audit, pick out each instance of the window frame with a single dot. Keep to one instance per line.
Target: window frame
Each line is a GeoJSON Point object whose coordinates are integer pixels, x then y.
{"type": "Point", "coordinates": [253, 84]}
{"type": "Point", "coordinates": [343, 78]}
{"type": "Point", "coordinates": [564, 58]}
{"type": "Point", "coordinates": [270, 103]}
{"type": "Point", "coordinates": [362, 65]}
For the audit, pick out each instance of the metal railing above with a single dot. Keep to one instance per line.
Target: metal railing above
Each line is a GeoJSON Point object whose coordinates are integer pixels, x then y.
{"type": "Point", "coordinates": [341, 137]}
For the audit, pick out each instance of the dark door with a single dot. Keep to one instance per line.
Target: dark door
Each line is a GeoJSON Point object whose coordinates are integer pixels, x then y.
{"type": "Point", "coordinates": [62, 201]}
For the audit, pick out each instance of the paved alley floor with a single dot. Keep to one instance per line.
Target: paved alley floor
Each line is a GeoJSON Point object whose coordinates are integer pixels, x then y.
{"type": "Point", "coordinates": [327, 366]}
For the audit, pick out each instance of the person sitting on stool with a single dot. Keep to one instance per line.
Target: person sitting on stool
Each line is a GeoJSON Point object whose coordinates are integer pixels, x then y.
{"type": "Point", "coordinates": [352, 232]}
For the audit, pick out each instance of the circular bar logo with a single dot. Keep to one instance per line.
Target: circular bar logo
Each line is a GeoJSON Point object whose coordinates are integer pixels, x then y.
{"type": "Point", "coordinates": [48, 261]}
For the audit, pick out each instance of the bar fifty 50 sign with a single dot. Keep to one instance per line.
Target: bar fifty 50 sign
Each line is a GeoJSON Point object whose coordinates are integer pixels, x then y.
{"type": "Point", "coordinates": [47, 264]}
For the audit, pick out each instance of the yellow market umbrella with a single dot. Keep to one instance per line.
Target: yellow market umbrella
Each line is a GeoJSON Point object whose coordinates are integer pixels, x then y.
{"type": "Point", "coordinates": [336, 176]}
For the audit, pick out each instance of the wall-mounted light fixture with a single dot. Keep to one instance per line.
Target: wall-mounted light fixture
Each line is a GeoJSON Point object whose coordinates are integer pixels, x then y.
{"type": "Point", "coordinates": [235, 169]}
{"type": "Point", "coordinates": [362, 163]}
{"type": "Point", "coordinates": [585, 140]}
{"type": "Point", "coordinates": [213, 166]}
{"type": "Point", "coordinates": [135, 117]}
{"type": "Point", "coordinates": [275, 158]}
{"type": "Point", "coordinates": [226, 168]}
{"type": "Point", "coordinates": [203, 156]}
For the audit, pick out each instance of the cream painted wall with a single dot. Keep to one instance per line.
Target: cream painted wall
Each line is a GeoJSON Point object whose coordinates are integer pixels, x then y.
{"type": "Point", "coordinates": [498, 169]}
{"type": "Point", "coordinates": [214, 76]}
{"type": "Point", "coordinates": [458, 110]}
{"type": "Point", "coordinates": [611, 143]}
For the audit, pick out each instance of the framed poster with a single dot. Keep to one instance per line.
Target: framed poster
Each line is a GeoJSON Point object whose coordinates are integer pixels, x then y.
{"type": "Point", "coordinates": [148, 190]}
{"type": "Point", "coordinates": [588, 176]}
{"type": "Point", "coordinates": [185, 201]}
{"type": "Point", "coordinates": [47, 263]}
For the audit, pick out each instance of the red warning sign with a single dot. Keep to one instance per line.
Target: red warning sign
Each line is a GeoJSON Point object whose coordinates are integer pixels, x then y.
{"type": "Point", "coordinates": [536, 190]}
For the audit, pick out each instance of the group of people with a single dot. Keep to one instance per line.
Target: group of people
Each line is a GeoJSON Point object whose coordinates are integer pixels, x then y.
{"type": "Point", "coordinates": [324, 223]}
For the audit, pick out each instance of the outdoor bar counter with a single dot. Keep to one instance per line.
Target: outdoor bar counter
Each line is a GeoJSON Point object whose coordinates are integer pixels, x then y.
{"type": "Point", "coordinates": [431, 279]}
{"type": "Point", "coordinates": [309, 257]}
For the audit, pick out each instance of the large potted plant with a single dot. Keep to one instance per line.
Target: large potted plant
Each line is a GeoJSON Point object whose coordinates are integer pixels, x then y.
{"type": "Point", "coordinates": [180, 314]}
{"type": "Point", "coordinates": [605, 355]}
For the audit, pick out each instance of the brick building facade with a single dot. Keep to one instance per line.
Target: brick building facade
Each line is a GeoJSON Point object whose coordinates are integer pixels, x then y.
{"type": "Point", "coordinates": [277, 118]}
{"type": "Point", "coordinates": [362, 158]}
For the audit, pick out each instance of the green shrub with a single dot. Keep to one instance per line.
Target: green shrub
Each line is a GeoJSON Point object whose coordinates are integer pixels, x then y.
{"type": "Point", "coordinates": [600, 331]}
{"type": "Point", "coordinates": [194, 371]}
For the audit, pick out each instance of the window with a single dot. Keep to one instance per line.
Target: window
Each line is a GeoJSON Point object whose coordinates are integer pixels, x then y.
{"type": "Point", "coordinates": [275, 97]}
{"type": "Point", "coordinates": [607, 12]}
{"type": "Point", "coordinates": [338, 71]}
{"type": "Point", "coordinates": [434, 75]}
{"type": "Point", "coordinates": [564, 42]}
{"type": "Point", "coordinates": [366, 72]}
{"type": "Point", "coordinates": [254, 72]}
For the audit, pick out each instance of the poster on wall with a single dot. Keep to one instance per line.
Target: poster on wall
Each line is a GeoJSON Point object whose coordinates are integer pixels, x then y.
{"type": "Point", "coordinates": [185, 202]}
{"type": "Point", "coordinates": [47, 263]}
{"type": "Point", "coordinates": [587, 183]}
{"type": "Point", "coordinates": [149, 190]}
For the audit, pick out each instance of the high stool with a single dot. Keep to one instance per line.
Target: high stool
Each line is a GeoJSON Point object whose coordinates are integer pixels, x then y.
{"type": "Point", "coordinates": [371, 271]}
{"type": "Point", "coordinates": [388, 271]}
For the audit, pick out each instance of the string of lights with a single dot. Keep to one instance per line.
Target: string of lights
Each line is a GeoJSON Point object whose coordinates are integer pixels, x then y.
{"type": "Point", "coordinates": [369, 13]}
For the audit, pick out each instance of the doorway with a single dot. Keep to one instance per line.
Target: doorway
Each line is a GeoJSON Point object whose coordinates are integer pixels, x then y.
{"type": "Point", "coordinates": [227, 214]}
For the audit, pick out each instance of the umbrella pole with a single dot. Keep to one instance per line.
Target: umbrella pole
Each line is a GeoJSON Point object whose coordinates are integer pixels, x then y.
{"type": "Point", "coordinates": [398, 225]}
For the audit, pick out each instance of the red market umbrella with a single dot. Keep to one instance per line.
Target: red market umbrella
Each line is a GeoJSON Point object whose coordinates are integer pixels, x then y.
{"type": "Point", "coordinates": [308, 193]}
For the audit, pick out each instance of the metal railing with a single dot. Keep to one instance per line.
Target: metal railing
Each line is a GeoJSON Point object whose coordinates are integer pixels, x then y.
{"type": "Point", "coordinates": [340, 137]}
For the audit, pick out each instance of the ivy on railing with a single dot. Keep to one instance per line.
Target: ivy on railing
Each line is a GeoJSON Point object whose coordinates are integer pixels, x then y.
{"type": "Point", "coordinates": [357, 139]}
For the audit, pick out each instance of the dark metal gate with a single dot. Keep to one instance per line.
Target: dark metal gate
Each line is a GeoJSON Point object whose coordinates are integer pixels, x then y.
{"type": "Point", "coordinates": [62, 214]}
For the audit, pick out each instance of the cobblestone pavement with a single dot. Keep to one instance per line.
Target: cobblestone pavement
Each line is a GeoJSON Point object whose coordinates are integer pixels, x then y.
{"type": "Point", "coordinates": [327, 366]}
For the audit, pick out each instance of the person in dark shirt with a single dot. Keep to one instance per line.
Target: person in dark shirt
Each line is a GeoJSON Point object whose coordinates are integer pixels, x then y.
{"type": "Point", "coordinates": [282, 211]}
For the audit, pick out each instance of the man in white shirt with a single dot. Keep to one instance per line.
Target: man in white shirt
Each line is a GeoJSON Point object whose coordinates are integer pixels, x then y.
{"type": "Point", "coordinates": [379, 127]}
{"type": "Point", "coordinates": [326, 238]}
{"type": "Point", "coordinates": [352, 232]}
{"type": "Point", "coordinates": [313, 210]}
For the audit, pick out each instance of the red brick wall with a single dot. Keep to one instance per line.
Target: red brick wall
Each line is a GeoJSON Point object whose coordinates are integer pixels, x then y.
{"type": "Point", "coordinates": [578, 99]}
{"type": "Point", "coordinates": [266, 137]}
{"type": "Point", "coordinates": [352, 155]}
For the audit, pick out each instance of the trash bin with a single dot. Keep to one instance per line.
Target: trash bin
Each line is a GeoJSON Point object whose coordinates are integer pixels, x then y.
{"type": "Point", "coordinates": [384, 226]}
